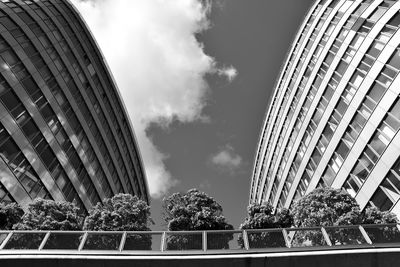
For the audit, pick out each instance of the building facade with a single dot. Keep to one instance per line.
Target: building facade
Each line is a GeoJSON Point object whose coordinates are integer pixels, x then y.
{"type": "Point", "coordinates": [334, 116]}
{"type": "Point", "coordinates": [64, 131]}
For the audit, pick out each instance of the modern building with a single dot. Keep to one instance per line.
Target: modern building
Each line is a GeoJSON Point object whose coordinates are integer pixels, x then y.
{"type": "Point", "coordinates": [64, 131]}
{"type": "Point", "coordinates": [334, 116]}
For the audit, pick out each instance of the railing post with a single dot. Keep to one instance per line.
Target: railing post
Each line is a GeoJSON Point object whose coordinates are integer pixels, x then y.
{"type": "Point", "coordinates": [204, 241]}
{"type": "Point", "coordinates": [6, 240]}
{"type": "Point", "coordinates": [245, 240]}
{"type": "Point", "coordinates": [326, 236]}
{"type": "Point", "coordinates": [44, 240]}
{"type": "Point", "coordinates": [365, 235]}
{"type": "Point", "coordinates": [83, 241]}
{"type": "Point", "coordinates": [123, 239]}
{"type": "Point", "coordinates": [286, 237]}
{"type": "Point", "coordinates": [162, 247]}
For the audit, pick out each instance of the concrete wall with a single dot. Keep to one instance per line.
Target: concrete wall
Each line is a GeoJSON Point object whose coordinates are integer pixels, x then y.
{"type": "Point", "coordinates": [344, 259]}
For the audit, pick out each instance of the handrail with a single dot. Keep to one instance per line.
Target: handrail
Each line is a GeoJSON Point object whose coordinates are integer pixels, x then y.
{"type": "Point", "coordinates": [224, 241]}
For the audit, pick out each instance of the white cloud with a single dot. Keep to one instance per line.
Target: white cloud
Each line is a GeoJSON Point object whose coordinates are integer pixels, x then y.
{"type": "Point", "coordinates": [229, 72]}
{"type": "Point", "coordinates": [226, 158]}
{"type": "Point", "coordinates": [158, 65]}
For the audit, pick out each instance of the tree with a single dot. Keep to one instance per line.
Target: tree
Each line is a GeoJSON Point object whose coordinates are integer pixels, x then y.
{"type": "Point", "coordinates": [261, 216]}
{"type": "Point", "coordinates": [195, 211]}
{"type": "Point", "coordinates": [326, 207]}
{"type": "Point", "coordinates": [123, 212]}
{"type": "Point", "coordinates": [10, 214]}
{"type": "Point", "coordinates": [372, 215]}
{"type": "Point", "coordinates": [384, 234]}
{"type": "Point", "coordinates": [45, 214]}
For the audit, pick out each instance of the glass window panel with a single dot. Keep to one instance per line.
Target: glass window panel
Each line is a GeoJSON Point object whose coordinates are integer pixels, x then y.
{"type": "Point", "coordinates": [357, 41]}
{"type": "Point", "coordinates": [9, 57]}
{"type": "Point", "coordinates": [8, 150]}
{"type": "Point", "coordinates": [376, 49]}
{"type": "Point", "coordinates": [394, 180]}
{"type": "Point", "coordinates": [376, 92]}
{"type": "Point", "coordinates": [379, 143]}
{"type": "Point", "coordinates": [357, 78]}
{"type": "Point", "coordinates": [381, 200]}
{"type": "Point", "coordinates": [30, 129]}
{"type": "Point", "coordinates": [390, 190]}
{"type": "Point", "coordinates": [385, 79]}
{"type": "Point", "coordinates": [350, 189]}
{"type": "Point", "coordinates": [360, 171]}
{"type": "Point", "coordinates": [387, 135]}
{"type": "Point", "coordinates": [392, 122]}
{"type": "Point", "coordinates": [383, 37]}
{"type": "Point", "coordinates": [342, 149]}
{"type": "Point", "coordinates": [395, 60]}
{"type": "Point", "coordinates": [10, 100]}
{"type": "Point", "coordinates": [61, 180]}
{"type": "Point", "coordinates": [25, 241]}
{"type": "Point", "coordinates": [374, 17]}
{"type": "Point", "coordinates": [395, 110]}
{"type": "Point", "coordinates": [328, 176]}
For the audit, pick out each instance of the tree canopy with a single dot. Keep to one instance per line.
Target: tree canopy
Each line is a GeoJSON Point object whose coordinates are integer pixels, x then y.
{"type": "Point", "coordinates": [373, 215]}
{"type": "Point", "coordinates": [10, 214]}
{"type": "Point", "coordinates": [44, 214]}
{"type": "Point", "coordinates": [194, 210]}
{"type": "Point", "coordinates": [262, 216]}
{"type": "Point", "coordinates": [123, 212]}
{"type": "Point", "coordinates": [329, 207]}
{"type": "Point", "coordinates": [326, 207]}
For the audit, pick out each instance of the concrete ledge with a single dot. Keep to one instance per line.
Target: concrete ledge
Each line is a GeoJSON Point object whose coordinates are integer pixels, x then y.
{"type": "Point", "coordinates": [374, 257]}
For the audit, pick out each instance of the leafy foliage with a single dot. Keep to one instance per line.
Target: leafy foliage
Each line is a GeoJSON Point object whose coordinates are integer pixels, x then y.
{"type": "Point", "coordinates": [44, 214]}
{"type": "Point", "coordinates": [331, 207]}
{"type": "Point", "coordinates": [123, 212]}
{"type": "Point", "coordinates": [10, 214]}
{"type": "Point", "coordinates": [326, 207]}
{"type": "Point", "coordinates": [261, 216]}
{"type": "Point", "coordinates": [192, 211]}
{"type": "Point", "coordinates": [373, 215]}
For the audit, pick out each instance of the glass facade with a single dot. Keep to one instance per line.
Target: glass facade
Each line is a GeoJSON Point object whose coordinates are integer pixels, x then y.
{"type": "Point", "coordinates": [334, 115]}
{"type": "Point", "coordinates": [65, 134]}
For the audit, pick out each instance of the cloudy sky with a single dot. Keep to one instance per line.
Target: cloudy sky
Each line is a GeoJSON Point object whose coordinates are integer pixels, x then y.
{"type": "Point", "coordinates": [196, 77]}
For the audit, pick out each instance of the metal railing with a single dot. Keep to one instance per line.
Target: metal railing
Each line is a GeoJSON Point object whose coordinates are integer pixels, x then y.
{"type": "Point", "coordinates": [198, 242]}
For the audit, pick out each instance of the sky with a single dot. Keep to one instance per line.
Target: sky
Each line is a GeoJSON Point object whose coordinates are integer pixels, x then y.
{"type": "Point", "coordinates": [196, 78]}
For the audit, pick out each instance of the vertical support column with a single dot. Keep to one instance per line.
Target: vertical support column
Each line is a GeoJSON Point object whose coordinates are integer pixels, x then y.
{"type": "Point", "coordinates": [204, 241]}
{"type": "Point", "coordinates": [162, 247]}
{"type": "Point", "coordinates": [6, 240]}
{"type": "Point", "coordinates": [245, 240]}
{"type": "Point", "coordinates": [44, 240]}
{"type": "Point", "coordinates": [286, 237]}
{"type": "Point", "coordinates": [122, 244]}
{"type": "Point", "coordinates": [365, 235]}
{"type": "Point", "coordinates": [83, 241]}
{"type": "Point", "coordinates": [326, 236]}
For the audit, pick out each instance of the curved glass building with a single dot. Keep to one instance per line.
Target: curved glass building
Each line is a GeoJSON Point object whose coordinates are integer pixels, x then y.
{"type": "Point", "coordinates": [64, 131]}
{"type": "Point", "coordinates": [334, 116]}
